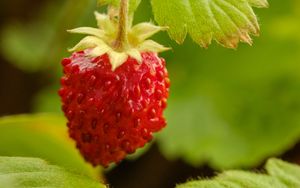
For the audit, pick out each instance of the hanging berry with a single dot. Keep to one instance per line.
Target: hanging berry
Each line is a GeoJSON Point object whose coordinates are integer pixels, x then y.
{"type": "Point", "coordinates": [115, 88]}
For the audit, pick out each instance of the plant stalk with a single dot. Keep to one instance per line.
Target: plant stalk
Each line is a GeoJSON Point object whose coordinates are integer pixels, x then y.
{"type": "Point", "coordinates": [121, 41]}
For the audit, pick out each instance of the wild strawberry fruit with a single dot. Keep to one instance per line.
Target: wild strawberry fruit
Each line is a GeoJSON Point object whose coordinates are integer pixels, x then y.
{"type": "Point", "coordinates": [114, 98]}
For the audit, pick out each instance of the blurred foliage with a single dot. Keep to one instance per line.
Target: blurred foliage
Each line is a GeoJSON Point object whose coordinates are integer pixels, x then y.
{"type": "Point", "coordinates": [20, 172]}
{"type": "Point", "coordinates": [228, 108]}
{"type": "Point", "coordinates": [44, 136]}
{"type": "Point", "coordinates": [279, 175]}
{"type": "Point", "coordinates": [37, 45]}
{"type": "Point", "coordinates": [25, 41]}
{"type": "Point", "coordinates": [235, 108]}
{"type": "Point", "coordinates": [47, 100]}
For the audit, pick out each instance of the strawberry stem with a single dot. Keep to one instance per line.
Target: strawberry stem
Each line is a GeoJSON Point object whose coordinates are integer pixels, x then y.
{"type": "Point", "coordinates": [121, 41]}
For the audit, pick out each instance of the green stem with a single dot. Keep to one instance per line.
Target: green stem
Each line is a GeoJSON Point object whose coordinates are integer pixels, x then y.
{"type": "Point", "coordinates": [121, 42]}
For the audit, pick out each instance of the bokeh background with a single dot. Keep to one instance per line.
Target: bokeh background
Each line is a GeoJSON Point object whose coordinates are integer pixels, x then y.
{"type": "Point", "coordinates": [227, 109]}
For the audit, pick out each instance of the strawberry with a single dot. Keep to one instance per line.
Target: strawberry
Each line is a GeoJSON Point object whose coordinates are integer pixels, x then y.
{"type": "Point", "coordinates": [114, 98]}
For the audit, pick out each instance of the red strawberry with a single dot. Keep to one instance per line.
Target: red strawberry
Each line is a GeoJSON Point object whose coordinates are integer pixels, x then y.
{"type": "Point", "coordinates": [114, 90]}
{"type": "Point", "coordinates": [112, 113]}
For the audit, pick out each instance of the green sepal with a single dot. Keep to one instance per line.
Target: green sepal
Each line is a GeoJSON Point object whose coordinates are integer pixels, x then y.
{"type": "Point", "coordinates": [101, 40]}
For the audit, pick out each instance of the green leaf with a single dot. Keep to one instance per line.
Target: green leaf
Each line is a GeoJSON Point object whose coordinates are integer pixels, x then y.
{"type": "Point", "coordinates": [226, 21]}
{"type": "Point", "coordinates": [279, 175]}
{"type": "Point", "coordinates": [20, 172]}
{"type": "Point", "coordinates": [43, 136]}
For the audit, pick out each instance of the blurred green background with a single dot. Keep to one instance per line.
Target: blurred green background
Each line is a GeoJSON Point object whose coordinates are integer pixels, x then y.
{"type": "Point", "coordinates": [227, 109]}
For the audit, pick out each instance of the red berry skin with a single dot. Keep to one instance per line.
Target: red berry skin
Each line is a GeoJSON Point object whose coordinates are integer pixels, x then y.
{"type": "Point", "coordinates": [112, 113]}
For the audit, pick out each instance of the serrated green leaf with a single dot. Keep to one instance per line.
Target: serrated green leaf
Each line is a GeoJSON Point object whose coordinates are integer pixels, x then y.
{"type": "Point", "coordinates": [226, 21]}
{"type": "Point", "coordinates": [20, 172]}
{"type": "Point", "coordinates": [278, 176]}
{"type": "Point", "coordinates": [44, 136]}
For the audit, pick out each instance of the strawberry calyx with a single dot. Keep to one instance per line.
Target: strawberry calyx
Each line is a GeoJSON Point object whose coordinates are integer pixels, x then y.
{"type": "Point", "coordinates": [102, 40]}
